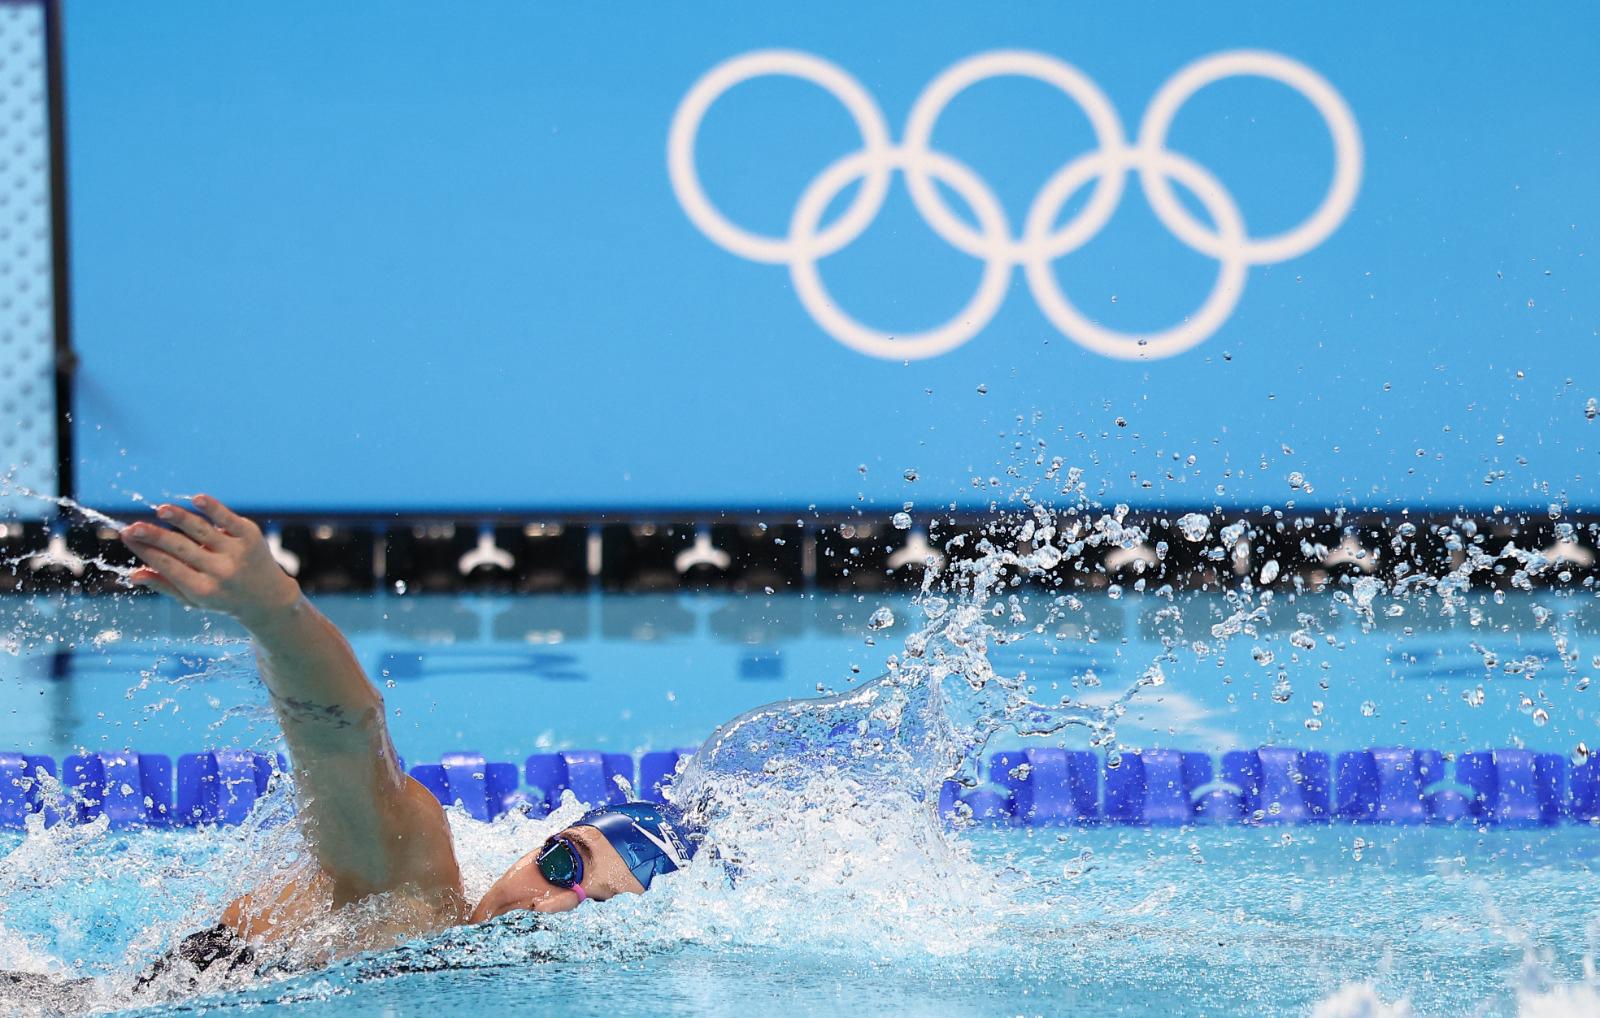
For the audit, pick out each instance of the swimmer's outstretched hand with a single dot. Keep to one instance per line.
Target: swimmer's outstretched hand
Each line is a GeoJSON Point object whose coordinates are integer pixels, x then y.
{"type": "Point", "coordinates": [214, 559]}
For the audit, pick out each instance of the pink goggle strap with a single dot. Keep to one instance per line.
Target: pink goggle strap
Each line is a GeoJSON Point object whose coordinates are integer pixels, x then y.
{"type": "Point", "coordinates": [583, 895]}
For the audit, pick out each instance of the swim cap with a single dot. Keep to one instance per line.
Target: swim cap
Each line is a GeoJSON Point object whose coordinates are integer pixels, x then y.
{"type": "Point", "coordinates": [651, 837]}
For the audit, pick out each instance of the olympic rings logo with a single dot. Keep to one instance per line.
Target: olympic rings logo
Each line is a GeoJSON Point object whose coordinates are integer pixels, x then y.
{"type": "Point", "coordinates": [1041, 241]}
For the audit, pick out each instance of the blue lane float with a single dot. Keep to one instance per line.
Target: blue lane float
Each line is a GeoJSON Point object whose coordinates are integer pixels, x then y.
{"type": "Point", "coordinates": [590, 775]}
{"type": "Point", "coordinates": [1155, 788]}
{"type": "Point", "coordinates": [657, 768]}
{"type": "Point", "coordinates": [222, 786]}
{"type": "Point", "coordinates": [1042, 787]}
{"type": "Point", "coordinates": [22, 788]}
{"type": "Point", "coordinates": [485, 790]}
{"type": "Point", "coordinates": [1585, 791]}
{"type": "Point", "coordinates": [1515, 786]}
{"type": "Point", "coordinates": [1033, 787]}
{"type": "Point", "coordinates": [1270, 785]}
{"type": "Point", "coordinates": [129, 789]}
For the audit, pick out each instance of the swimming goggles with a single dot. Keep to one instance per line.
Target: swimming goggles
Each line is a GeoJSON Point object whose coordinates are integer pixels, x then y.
{"type": "Point", "coordinates": [560, 863]}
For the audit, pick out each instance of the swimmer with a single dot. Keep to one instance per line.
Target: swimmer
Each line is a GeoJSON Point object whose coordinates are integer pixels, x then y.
{"type": "Point", "coordinates": [375, 834]}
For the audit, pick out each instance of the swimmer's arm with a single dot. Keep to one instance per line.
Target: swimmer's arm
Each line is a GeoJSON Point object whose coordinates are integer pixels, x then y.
{"type": "Point", "coordinates": [371, 827]}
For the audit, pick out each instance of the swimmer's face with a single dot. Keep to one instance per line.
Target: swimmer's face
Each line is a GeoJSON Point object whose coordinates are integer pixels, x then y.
{"type": "Point", "coordinates": [605, 875]}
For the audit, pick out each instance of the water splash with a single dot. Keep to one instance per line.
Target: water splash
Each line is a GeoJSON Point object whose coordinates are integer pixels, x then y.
{"type": "Point", "coordinates": [835, 798]}
{"type": "Point", "coordinates": [57, 555]}
{"type": "Point", "coordinates": [9, 487]}
{"type": "Point", "coordinates": [1361, 1000]}
{"type": "Point", "coordinates": [824, 811]}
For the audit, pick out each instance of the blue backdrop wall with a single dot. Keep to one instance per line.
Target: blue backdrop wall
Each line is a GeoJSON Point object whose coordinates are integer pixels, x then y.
{"type": "Point", "coordinates": [416, 255]}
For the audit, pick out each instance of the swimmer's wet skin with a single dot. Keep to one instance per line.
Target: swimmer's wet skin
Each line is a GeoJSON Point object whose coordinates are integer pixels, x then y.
{"type": "Point", "coordinates": [370, 827]}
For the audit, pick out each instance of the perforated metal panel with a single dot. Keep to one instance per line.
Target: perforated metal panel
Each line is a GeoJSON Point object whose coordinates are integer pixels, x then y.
{"type": "Point", "coordinates": [27, 390]}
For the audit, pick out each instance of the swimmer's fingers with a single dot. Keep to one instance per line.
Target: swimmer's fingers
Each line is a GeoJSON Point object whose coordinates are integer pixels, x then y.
{"type": "Point", "coordinates": [170, 569]}
{"type": "Point", "coordinates": [178, 545]}
{"type": "Point", "coordinates": [144, 576]}
{"type": "Point", "coordinates": [230, 566]}
{"type": "Point", "coordinates": [226, 518]}
{"type": "Point", "coordinates": [197, 527]}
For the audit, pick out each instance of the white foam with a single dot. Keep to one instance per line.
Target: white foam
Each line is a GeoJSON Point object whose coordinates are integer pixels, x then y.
{"type": "Point", "coordinates": [1360, 1000]}
{"type": "Point", "coordinates": [1567, 1000]}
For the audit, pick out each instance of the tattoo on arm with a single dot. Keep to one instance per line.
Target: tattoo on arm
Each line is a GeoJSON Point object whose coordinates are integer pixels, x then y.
{"type": "Point", "coordinates": [295, 709]}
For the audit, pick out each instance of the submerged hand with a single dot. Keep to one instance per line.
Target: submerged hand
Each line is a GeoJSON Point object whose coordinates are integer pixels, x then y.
{"type": "Point", "coordinates": [217, 561]}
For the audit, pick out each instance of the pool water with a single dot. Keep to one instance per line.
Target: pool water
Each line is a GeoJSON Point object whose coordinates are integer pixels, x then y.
{"type": "Point", "coordinates": [1333, 919]}
{"type": "Point", "coordinates": [509, 675]}
{"type": "Point", "coordinates": [1205, 922]}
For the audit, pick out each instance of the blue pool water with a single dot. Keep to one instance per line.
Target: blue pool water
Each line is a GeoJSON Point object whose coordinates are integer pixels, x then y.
{"type": "Point", "coordinates": [511, 675]}
{"type": "Point", "coordinates": [1212, 921]}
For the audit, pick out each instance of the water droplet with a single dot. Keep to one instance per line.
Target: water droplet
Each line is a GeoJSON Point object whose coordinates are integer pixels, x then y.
{"type": "Point", "coordinates": [910, 474]}
{"type": "Point", "coordinates": [902, 521]}
{"type": "Point", "coordinates": [1269, 572]}
{"type": "Point", "coordinates": [1282, 691]}
{"type": "Point", "coordinates": [1314, 724]}
{"type": "Point", "coordinates": [1263, 655]}
{"type": "Point", "coordinates": [983, 390]}
{"type": "Point", "coordinates": [1122, 422]}
{"type": "Point", "coordinates": [1194, 526]}
{"type": "Point", "coordinates": [1368, 709]}
{"type": "Point", "coordinates": [1541, 717]}
{"type": "Point", "coordinates": [1591, 409]}
{"type": "Point", "coordinates": [1297, 480]}
{"type": "Point", "coordinates": [882, 618]}
{"type": "Point", "coordinates": [1580, 753]}
{"type": "Point", "coordinates": [1365, 589]}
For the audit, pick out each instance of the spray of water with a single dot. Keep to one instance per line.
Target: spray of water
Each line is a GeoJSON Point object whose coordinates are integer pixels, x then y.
{"type": "Point", "coordinates": [837, 796]}
{"type": "Point", "coordinates": [821, 814]}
